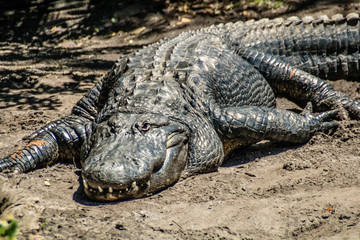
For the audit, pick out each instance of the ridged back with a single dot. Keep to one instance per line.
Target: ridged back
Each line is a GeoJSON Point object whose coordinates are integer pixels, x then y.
{"type": "Point", "coordinates": [325, 47]}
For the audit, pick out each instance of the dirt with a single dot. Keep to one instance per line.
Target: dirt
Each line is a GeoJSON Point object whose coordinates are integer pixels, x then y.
{"type": "Point", "coordinates": [264, 191]}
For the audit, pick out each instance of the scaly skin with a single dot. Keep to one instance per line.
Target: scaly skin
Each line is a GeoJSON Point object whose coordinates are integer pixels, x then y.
{"type": "Point", "coordinates": [179, 106]}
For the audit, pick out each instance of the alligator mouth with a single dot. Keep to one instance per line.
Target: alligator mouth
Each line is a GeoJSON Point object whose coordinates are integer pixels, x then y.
{"type": "Point", "coordinates": [111, 193]}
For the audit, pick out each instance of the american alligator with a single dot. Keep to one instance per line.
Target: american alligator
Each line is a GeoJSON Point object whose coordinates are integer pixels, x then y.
{"type": "Point", "coordinates": [180, 106]}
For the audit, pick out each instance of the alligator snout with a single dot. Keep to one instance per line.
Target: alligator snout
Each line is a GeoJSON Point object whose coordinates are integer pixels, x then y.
{"type": "Point", "coordinates": [122, 167]}
{"type": "Point", "coordinates": [125, 163]}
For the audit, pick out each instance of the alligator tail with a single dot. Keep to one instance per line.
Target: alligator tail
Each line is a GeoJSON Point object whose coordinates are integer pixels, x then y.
{"type": "Point", "coordinates": [41, 151]}
{"type": "Point", "coordinates": [62, 141]}
{"type": "Point", "coordinates": [328, 47]}
{"type": "Point", "coordinates": [325, 47]}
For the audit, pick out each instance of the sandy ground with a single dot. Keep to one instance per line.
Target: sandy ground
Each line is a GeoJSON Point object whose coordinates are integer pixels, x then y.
{"type": "Point", "coordinates": [262, 192]}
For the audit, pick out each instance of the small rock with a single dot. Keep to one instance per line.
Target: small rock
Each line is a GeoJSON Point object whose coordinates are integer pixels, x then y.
{"type": "Point", "coordinates": [119, 226]}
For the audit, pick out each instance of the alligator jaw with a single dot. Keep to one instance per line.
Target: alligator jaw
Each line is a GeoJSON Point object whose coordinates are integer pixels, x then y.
{"type": "Point", "coordinates": [111, 193]}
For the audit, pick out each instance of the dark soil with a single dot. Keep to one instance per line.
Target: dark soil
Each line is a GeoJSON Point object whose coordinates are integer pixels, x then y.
{"type": "Point", "coordinates": [262, 192]}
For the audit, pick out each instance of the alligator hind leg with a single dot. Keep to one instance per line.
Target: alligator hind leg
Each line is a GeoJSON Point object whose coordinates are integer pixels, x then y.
{"type": "Point", "coordinates": [300, 86]}
{"type": "Point", "coordinates": [249, 124]}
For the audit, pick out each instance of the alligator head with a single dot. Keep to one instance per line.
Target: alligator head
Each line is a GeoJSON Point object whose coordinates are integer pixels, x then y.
{"type": "Point", "coordinates": [132, 155]}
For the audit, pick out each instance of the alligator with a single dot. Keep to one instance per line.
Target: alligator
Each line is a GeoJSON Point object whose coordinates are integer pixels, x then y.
{"type": "Point", "coordinates": [180, 106]}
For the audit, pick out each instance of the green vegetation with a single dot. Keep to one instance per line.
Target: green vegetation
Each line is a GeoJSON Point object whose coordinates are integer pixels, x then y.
{"type": "Point", "coordinates": [8, 228]}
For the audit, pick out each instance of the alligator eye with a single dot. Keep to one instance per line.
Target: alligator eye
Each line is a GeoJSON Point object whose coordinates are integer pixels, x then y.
{"type": "Point", "coordinates": [145, 127]}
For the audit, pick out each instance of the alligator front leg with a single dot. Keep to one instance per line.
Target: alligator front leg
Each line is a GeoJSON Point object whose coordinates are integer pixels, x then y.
{"type": "Point", "coordinates": [205, 147]}
{"type": "Point", "coordinates": [246, 125]}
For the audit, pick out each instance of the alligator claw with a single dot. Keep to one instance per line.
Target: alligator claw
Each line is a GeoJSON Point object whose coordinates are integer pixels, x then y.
{"type": "Point", "coordinates": [348, 108]}
{"type": "Point", "coordinates": [329, 114]}
{"type": "Point", "coordinates": [319, 123]}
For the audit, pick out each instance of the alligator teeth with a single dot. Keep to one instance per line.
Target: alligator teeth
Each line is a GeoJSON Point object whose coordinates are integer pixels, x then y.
{"type": "Point", "coordinates": [86, 185]}
{"type": "Point", "coordinates": [111, 193]}
{"type": "Point", "coordinates": [136, 188]}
